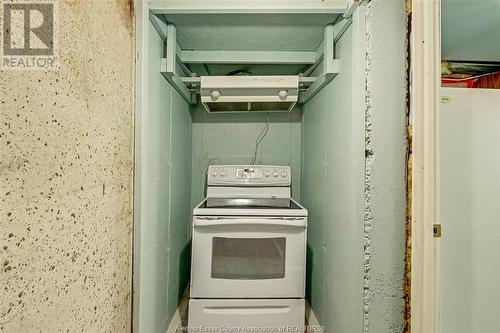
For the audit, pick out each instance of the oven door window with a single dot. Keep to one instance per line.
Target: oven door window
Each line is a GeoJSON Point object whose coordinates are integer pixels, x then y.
{"type": "Point", "coordinates": [248, 258]}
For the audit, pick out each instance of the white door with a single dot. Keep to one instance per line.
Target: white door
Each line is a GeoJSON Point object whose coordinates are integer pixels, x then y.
{"type": "Point", "coordinates": [470, 210]}
{"type": "Point", "coordinates": [250, 257]}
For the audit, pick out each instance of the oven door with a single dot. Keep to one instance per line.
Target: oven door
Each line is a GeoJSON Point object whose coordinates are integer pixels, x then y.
{"type": "Point", "coordinates": [248, 257]}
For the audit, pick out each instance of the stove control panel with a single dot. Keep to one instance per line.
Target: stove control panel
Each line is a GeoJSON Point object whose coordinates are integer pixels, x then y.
{"type": "Point", "coordinates": [249, 175]}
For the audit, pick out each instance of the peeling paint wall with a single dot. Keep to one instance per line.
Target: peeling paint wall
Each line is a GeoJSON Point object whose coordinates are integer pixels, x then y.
{"type": "Point", "coordinates": [66, 179]}
{"type": "Point", "coordinates": [385, 187]}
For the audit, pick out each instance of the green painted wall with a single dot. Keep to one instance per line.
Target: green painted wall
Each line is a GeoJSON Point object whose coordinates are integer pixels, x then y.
{"type": "Point", "coordinates": [230, 139]}
{"type": "Point", "coordinates": [332, 189]}
{"type": "Point", "coordinates": [165, 212]}
{"type": "Point", "coordinates": [324, 143]}
{"type": "Point", "coordinates": [353, 182]}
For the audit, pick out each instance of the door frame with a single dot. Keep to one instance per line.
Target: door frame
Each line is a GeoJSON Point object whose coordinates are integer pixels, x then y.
{"type": "Point", "coordinates": [423, 172]}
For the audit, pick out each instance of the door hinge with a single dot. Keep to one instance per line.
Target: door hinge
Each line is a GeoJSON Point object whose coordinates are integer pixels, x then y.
{"type": "Point", "coordinates": [437, 230]}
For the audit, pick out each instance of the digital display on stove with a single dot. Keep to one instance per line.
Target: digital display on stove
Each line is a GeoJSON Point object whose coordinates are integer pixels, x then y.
{"type": "Point", "coordinates": [248, 173]}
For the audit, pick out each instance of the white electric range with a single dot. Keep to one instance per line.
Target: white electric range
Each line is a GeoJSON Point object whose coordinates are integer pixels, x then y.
{"type": "Point", "coordinates": [248, 251]}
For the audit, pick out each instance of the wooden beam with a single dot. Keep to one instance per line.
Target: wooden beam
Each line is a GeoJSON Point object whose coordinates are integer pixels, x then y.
{"type": "Point", "coordinates": [171, 52]}
{"type": "Point", "coordinates": [320, 82]}
{"type": "Point", "coordinates": [248, 7]}
{"type": "Point", "coordinates": [159, 25]}
{"type": "Point", "coordinates": [338, 30]}
{"type": "Point", "coordinates": [175, 81]}
{"type": "Point", "coordinates": [247, 57]}
{"type": "Point", "coordinates": [328, 49]}
{"type": "Point", "coordinates": [340, 27]}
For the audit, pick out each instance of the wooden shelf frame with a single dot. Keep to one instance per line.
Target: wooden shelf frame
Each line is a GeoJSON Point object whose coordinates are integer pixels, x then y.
{"type": "Point", "coordinates": [323, 66]}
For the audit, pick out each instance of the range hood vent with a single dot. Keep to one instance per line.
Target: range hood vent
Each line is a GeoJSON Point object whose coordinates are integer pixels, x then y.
{"type": "Point", "coordinates": [249, 93]}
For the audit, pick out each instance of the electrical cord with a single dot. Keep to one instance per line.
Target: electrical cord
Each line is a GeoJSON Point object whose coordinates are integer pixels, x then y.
{"type": "Point", "coordinates": [260, 137]}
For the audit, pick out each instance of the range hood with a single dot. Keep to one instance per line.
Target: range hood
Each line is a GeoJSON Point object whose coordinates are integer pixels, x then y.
{"type": "Point", "coordinates": [249, 93]}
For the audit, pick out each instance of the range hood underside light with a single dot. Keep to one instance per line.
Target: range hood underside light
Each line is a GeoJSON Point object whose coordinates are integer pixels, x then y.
{"type": "Point", "coordinates": [249, 93]}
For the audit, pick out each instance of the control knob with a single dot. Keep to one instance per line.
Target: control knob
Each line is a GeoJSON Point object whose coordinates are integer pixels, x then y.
{"type": "Point", "coordinates": [283, 94]}
{"type": "Point", "coordinates": [214, 95]}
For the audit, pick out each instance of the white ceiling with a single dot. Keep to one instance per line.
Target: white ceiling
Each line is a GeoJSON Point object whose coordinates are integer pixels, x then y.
{"type": "Point", "coordinates": [470, 30]}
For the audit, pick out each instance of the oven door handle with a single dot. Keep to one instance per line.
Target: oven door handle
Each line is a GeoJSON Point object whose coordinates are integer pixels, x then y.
{"type": "Point", "coordinates": [278, 221]}
{"type": "Point", "coordinates": [246, 310]}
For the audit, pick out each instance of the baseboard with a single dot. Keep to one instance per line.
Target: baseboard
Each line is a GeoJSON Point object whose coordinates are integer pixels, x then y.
{"type": "Point", "coordinates": [179, 319]}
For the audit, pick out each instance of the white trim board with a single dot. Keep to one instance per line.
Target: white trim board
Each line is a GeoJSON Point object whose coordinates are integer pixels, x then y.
{"type": "Point", "coordinates": [424, 163]}
{"type": "Point", "coordinates": [141, 11]}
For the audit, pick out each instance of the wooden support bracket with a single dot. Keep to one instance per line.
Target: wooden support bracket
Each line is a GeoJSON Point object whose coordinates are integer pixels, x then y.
{"type": "Point", "coordinates": [176, 81]}
{"type": "Point", "coordinates": [326, 66]}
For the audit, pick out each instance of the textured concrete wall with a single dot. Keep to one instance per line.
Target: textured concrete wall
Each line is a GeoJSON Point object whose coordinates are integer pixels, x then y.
{"type": "Point", "coordinates": [66, 171]}
{"type": "Point", "coordinates": [385, 193]}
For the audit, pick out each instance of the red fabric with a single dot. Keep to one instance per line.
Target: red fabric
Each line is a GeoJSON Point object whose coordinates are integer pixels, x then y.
{"type": "Point", "coordinates": [488, 81]}
{"type": "Point", "coordinates": [491, 81]}
{"type": "Point", "coordinates": [465, 83]}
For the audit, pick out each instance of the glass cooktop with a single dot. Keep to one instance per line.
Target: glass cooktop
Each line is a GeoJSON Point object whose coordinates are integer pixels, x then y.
{"type": "Point", "coordinates": [254, 203]}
